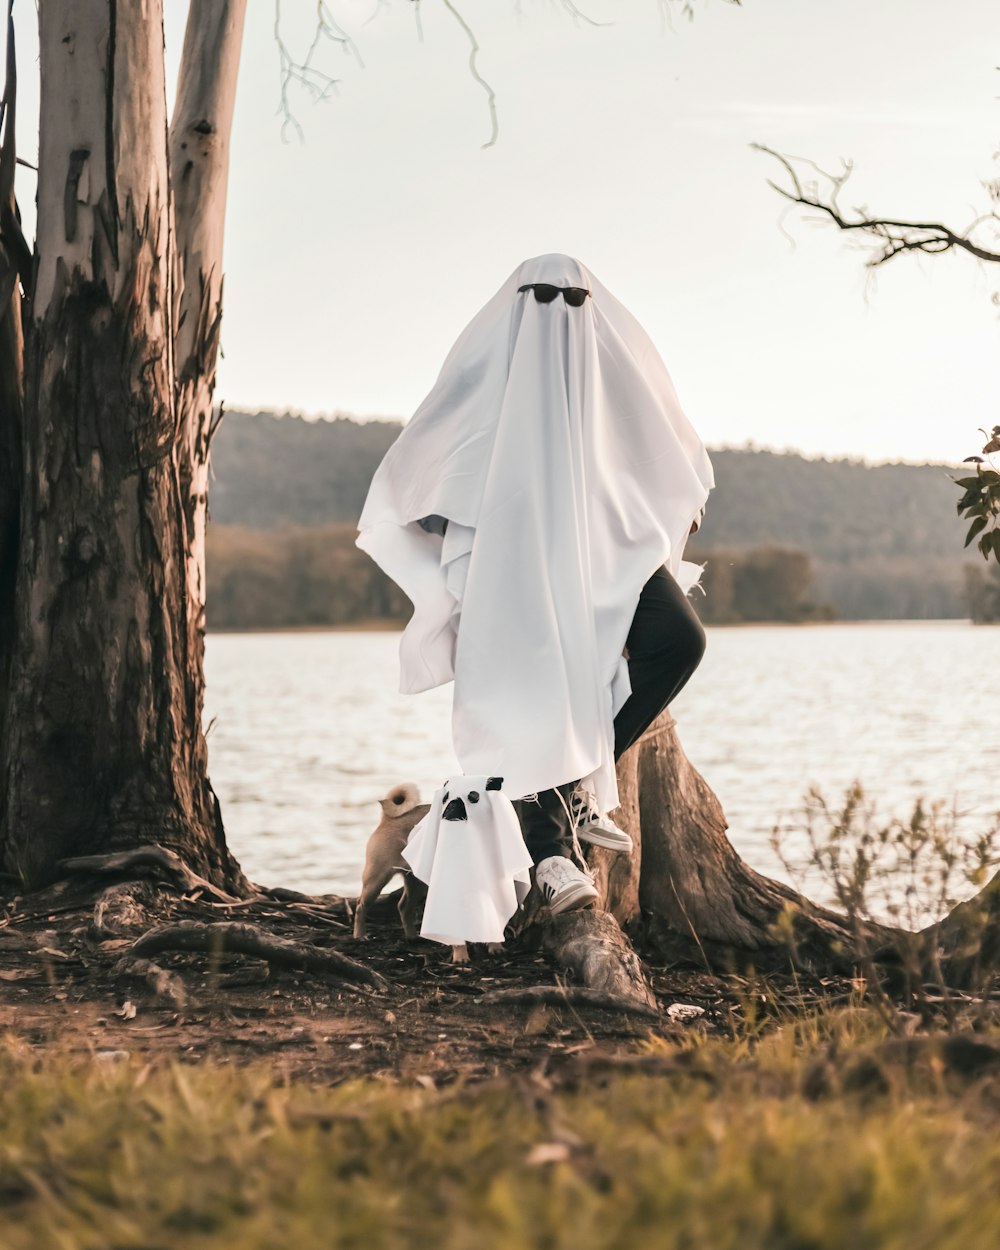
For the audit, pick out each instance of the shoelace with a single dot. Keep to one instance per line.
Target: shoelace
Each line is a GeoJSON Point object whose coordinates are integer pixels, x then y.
{"type": "Point", "coordinates": [581, 860]}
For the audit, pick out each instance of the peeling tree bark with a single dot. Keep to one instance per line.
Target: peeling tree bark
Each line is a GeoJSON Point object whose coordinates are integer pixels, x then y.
{"type": "Point", "coordinates": [11, 397]}
{"type": "Point", "coordinates": [199, 172]}
{"type": "Point", "coordinates": [104, 750]}
{"type": "Point", "coordinates": [14, 268]}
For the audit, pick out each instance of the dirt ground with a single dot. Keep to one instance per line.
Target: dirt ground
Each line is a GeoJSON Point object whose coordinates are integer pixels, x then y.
{"type": "Point", "coordinates": [68, 980]}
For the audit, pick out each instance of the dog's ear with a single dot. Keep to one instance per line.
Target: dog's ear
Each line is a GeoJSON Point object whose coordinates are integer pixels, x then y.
{"type": "Point", "coordinates": [494, 783]}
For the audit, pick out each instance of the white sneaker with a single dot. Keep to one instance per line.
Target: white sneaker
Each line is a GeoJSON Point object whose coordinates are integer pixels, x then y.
{"type": "Point", "coordinates": [563, 885]}
{"type": "Point", "coordinates": [592, 825]}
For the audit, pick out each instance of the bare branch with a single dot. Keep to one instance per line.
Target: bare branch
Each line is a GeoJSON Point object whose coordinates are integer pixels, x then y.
{"type": "Point", "coordinates": [893, 236]}
{"type": "Point", "coordinates": [318, 84]}
{"type": "Point", "coordinates": [578, 15]}
{"type": "Point", "coordinates": [474, 71]}
{"type": "Point", "coordinates": [327, 27]}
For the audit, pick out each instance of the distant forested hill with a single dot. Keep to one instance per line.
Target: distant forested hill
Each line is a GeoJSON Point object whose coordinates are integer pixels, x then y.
{"type": "Point", "coordinates": [273, 470]}
{"type": "Point", "coordinates": [884, 539]}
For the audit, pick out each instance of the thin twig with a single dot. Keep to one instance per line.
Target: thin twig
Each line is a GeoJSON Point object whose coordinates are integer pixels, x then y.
{"type": "Point", "coordinates": [317, 83]}
{"type": "Point", "coordinates": [474, 71]}
{"type": "Point", "coordinates": [894, 235]}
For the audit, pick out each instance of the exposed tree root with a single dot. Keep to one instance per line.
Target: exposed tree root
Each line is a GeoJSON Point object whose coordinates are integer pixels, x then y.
{"type": "Point", "coordinates": [150, 856]}
{"type": "Point", "coordinates": [330, 902]}
{"type": "Point", "coordinates": [246, 939]}
{"type": "Point", "coordinates": [123, 908]}
{"type": "Point", "coordinates": [569, 996]}
{"type": "Point", "coordinates": [591, 945]}
{"type": "Point", "coordinates": [165, 985]}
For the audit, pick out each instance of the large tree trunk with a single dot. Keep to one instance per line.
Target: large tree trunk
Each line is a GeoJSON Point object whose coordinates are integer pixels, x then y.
{"type": "Point", "coordinates": [199, 172]}
{"type": "Point", "coordinates": [14, 267]}
{"type": "Point", "coordinates": [104, 748]}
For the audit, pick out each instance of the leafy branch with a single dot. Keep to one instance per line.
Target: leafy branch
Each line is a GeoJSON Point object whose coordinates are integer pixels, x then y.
{"type": "Point", "coordinates": [980, 502]}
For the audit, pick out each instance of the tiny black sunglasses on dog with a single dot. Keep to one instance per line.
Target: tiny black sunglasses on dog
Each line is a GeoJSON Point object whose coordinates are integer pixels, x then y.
{"type": "Point", "coordinates": [545, 293]}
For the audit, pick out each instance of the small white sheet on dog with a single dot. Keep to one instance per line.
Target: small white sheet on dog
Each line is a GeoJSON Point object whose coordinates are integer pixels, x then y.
{"type": "Point", "coordinates": [469, 851]}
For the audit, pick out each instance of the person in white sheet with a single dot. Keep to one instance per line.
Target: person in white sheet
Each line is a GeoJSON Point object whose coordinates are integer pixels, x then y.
{"type": "Point", "coordinates": [535, 510]}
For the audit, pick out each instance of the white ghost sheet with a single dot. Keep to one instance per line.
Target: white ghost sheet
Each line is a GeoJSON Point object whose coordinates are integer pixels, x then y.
{"type": "Point", "coordinates": [469, 850]}
{"type": "Point", "coordinates": [554, 446]}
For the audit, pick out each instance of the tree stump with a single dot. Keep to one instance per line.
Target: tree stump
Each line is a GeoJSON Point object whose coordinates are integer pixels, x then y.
{"type": "Point", "coordinates": [685, 890]}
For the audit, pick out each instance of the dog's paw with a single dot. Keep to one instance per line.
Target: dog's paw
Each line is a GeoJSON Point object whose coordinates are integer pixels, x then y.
{"type": "Point", "coordinates": [460, 954]}
{"type": "Point", "coordinates": [494, 948]}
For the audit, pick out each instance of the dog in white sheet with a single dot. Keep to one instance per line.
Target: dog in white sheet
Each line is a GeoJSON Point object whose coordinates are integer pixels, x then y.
{"type": "Point", "coordinates": [469, 851]}
{"type": "Point", "coordinates": [460, 808]}
{"type": "Point", "coordinates": [401, 810]}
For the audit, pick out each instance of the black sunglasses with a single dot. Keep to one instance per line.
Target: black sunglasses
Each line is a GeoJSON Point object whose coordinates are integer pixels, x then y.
{"type": "Point", "coordinates": [545, 293]}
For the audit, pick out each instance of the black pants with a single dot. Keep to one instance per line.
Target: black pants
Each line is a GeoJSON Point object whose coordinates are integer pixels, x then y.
{"type": "Point", "coordinates": [665, 645]}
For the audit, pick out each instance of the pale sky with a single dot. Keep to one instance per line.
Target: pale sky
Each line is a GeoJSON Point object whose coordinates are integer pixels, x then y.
{"type": "Point", "coordinates": [355, 256]}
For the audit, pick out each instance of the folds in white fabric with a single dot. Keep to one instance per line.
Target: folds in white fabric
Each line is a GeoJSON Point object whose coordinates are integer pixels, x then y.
{"type": "Point", "coordinates": [554, 445]}
{"type": "Point", "coordinates": [469, 850]}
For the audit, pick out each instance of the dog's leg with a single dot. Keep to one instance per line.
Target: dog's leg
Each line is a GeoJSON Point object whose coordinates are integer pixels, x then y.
{"type": "Point", "coordinates": [371, 888]}
{"type": "Point", "coordinates": [460, 954]}
{"type": "Point", "coordinates": [414, 892]}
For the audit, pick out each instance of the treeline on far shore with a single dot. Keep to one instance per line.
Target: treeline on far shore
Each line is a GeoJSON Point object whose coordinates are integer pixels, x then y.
{"type": "Point", "coordinates": [883, 540]}
{"type": "Point", "coordinates": [982, 591]}
{"type": "Point", "coordinates": [301, 576]}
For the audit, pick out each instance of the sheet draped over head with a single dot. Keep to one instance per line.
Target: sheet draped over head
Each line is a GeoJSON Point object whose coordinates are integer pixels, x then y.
{"type": "Point", "coordinates": [554, 446]}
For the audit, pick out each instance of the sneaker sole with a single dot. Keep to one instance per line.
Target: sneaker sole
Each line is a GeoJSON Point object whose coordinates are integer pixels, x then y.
{"type": "Point", "coordinates": [572, 897]}
{"type": "Point", "coordinates": [599, 837]}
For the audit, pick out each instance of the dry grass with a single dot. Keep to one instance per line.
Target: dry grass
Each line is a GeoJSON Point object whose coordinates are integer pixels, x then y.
{"type": "Point", "coordinates": [821, 1134]}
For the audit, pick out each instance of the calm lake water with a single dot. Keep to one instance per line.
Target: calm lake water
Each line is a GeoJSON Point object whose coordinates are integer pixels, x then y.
{"type": "Point", "coordinates": [308, 731]}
